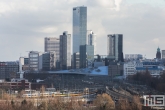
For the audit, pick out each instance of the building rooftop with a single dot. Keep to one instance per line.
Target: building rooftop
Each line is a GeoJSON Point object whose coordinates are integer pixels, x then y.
{"type": "Point", "coordinates": [144, 68]}
{"type": "Point", "coordinates": [152, 63]}
{"type": "Point", "coordinates": [102, 70]}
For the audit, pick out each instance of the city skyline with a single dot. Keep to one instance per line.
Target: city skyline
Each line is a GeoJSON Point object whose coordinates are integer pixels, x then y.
{"type": "Point", "coordinates": [24, 25]}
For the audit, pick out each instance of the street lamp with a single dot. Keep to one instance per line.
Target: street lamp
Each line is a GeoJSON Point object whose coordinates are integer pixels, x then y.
{"type": "Point", "coordinates": [118, 68]}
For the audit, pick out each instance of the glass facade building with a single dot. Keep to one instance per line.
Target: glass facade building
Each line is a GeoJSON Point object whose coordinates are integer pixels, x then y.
{"type": "Point", "coordinates": [79, 27]}
{"type": "Point", "coordinates": [86, 55]}
{"type": "Point", "coordinates": [8, 69]}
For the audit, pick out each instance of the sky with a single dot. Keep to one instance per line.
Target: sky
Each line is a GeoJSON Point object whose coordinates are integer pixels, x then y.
{"type": "Point", "coordinates": [25, 23]}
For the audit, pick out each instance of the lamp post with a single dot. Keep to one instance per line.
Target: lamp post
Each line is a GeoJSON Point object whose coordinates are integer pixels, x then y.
{"type": "Point", "coordinates": [30, 90]}
{"type": "Point", "coordinates": [118, 68]}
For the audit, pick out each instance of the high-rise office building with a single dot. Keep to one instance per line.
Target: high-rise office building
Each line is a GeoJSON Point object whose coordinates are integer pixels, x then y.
{"type": "Point", "coordinates": [163, 54]}
{"type": "Point", "coordinates": [115, 46]}
{"type": "Point", "coordinates": [35, 61]}
{"type": "Point", "coordinates": [49, 61]}
{"type": "Point", "coordinates": [51, 45]}
{"type": "Point", "coordinates": [91, 40]}
{"type": "Point", "coordinates": [79, 27]}
{"type": "Point", "coordinates": [9, 69]}
{"type": "Point", "coordinates": [65, 50]}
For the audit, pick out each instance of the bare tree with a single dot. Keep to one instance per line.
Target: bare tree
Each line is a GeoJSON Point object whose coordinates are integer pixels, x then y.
{"type": "Point", "coordinates": [104, 102]}
{"type": "Point", "coordinates": [123, 104]}
{"type": "Point", "coordinates": [136, 104]}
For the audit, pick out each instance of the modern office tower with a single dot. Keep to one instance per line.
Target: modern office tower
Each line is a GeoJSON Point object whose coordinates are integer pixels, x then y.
{"type": "Point", "coordinates": [25, 63]}
{"type": "Point", "coordinates": [9, 69]}
{"type": "Point", "coordinates": [35, 61]}
{"type": "Point", "coordinates": [76, 60]}
{"type": "Point", "coordinates": [65, 50]}
{"type": "Point", "coordinates": [48, 61]}
{"type": "Point", "coordinates": [133, 56]}
{"type": "Point", "coordinates": [158, 53]}
{"type": "Point", "coordinates": [86, 55]}
{"type": "Point", "coordinates": [91, 40]}
{"type": "Point", "coordinates": [163, 54]}
{"type": "Point", "coordinates": [79, 27]}
{"type": "Point", "coordinates": [52, 44]}
{"type": "Point", "coordinates": [115, 46]}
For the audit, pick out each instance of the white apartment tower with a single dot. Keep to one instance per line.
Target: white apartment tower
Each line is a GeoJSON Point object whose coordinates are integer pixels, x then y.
{"type": "Point", "coordinates": [91, 40]}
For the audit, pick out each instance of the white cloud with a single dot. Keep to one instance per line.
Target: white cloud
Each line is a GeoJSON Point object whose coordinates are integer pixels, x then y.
{"type": "Point", "coordinates": [156, 41]}
{"type": "Point", "coordinates": [72, 1]}
{"type": "Point", "coordinates": [106, 3]}
{"type": "Point", "coordinates": [4, 8]}
{"type": "Point", "coordinates": [47, 30]}
{"type": "Point", "coordinates": [118, 3]}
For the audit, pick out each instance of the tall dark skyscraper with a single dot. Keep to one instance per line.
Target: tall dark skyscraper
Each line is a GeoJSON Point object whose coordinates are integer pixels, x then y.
{"type": "Point", "coordinates": [115, 46]}
{"type": "Point", "coordinates": [158, 54]}
{"type": "Point", "coordinates": [79, 27]}
{"type": "Point", "coordinates": [65, 50]}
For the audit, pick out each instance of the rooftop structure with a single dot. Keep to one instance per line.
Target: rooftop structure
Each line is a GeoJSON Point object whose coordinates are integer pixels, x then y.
{"type": "Point", "coordinates": [133, 56]}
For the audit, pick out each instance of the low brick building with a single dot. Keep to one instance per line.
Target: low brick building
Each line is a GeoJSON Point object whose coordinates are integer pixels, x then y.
{"type": "Point", "coordinates": [16, 84]}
